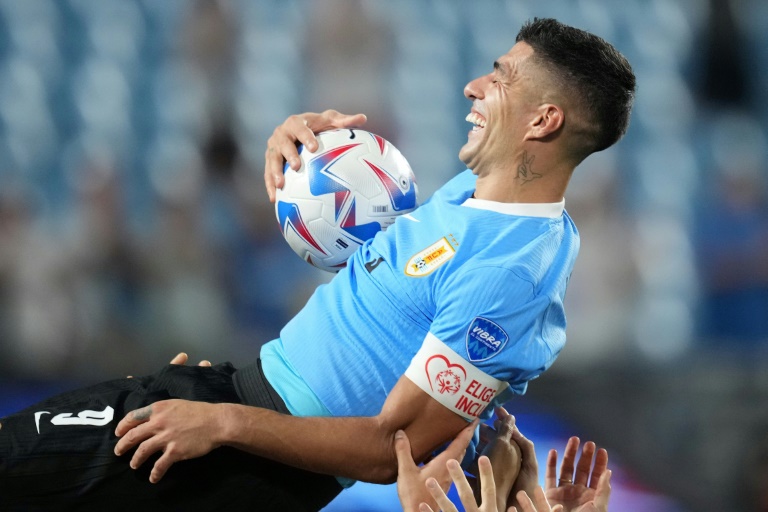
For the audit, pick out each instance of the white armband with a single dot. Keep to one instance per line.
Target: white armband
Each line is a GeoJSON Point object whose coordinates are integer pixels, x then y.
{"type": "Point", "coordinates": [451, 379]}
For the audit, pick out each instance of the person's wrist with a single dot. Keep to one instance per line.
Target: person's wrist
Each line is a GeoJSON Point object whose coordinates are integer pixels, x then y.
{"type": "Point", "coordinates": [506, 467]}
{"type": "Point", "coordinates": [504, 492]}
{"type": "Point", "coordinates": [225, 431]}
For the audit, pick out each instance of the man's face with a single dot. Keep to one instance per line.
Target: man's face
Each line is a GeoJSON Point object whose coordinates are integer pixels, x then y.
{"type": "Point", "coordinates": [501, 103]}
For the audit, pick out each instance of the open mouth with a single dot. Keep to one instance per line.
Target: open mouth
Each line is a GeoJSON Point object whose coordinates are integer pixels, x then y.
{"type": "Point", "coordinates": [476, 119]}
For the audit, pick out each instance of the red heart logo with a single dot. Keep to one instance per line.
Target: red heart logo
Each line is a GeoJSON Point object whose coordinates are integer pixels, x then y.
{"type": "Point", "coordinates": [443, 375]}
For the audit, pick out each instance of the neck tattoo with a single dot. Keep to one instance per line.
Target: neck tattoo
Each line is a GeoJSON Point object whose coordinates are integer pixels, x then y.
{"type": "Point", "coordinates": [525, 169]}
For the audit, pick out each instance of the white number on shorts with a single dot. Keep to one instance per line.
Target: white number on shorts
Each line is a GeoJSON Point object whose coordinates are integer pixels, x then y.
{"type": "Point", "coordinates": [87, 417]}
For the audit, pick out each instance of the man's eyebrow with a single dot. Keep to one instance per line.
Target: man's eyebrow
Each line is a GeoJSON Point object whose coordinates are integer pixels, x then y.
{"type": "Point", "coordinates": [503, 69]}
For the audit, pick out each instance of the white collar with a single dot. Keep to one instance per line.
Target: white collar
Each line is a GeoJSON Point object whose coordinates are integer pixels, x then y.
{"type": "Point", "coordinates": [547, 210]}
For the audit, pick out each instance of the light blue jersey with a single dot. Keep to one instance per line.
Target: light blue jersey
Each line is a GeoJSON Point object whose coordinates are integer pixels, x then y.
{"type": "Point", "coordinates": [463, 296]}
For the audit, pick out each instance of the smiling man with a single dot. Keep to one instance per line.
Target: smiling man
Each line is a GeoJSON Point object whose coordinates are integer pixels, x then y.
{"type": "Point", "coordinates": [462, 308]}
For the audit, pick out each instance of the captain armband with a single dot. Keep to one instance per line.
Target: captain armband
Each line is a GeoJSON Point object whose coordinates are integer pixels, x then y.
{"type": "Point", "coordinates": [451, 379]}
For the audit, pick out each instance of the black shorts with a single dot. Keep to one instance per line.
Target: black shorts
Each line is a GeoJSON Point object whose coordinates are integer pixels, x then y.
{"type": "Point", "coordinates": [59, 454]}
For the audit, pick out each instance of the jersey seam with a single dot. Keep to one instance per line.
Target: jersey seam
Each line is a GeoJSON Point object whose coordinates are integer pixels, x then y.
{"type": "Point", "coordinates": [508, 269]}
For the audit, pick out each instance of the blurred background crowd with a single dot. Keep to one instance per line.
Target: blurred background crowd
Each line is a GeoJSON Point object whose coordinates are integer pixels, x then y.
{"type": "Point", "coordinates": [134, 221]}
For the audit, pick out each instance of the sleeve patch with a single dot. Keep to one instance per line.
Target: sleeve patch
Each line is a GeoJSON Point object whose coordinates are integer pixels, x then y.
{"type": "Point", "coordinates": [451, 380]}
{"type": "Point", "coordinates": [485, 339]}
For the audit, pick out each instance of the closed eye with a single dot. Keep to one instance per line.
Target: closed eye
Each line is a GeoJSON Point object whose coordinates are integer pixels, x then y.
{"type": "Point", "coordinates": [501, 71]}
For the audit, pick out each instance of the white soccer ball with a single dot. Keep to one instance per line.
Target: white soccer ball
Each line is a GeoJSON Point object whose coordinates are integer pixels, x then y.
{"type": "Point", "coordinates": [352, 187]}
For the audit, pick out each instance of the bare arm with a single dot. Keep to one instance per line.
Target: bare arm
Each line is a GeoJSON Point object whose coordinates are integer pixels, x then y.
{"type": "Point", "coordinates": [356, 447]}
{"type": "Point", "coordinates": [361, 448]}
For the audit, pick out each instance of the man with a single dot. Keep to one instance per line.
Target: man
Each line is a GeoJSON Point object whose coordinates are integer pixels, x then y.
{"type": "Point", "coordinates": [455, 307]}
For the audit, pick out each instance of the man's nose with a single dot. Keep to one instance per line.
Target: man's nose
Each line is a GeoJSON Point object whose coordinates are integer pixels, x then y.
{"type": "Point", "coordinates": [474, 89]}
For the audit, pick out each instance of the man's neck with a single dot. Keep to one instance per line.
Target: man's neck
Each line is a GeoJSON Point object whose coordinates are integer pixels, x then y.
{"type": "Point", "coordinates": [528, 181]}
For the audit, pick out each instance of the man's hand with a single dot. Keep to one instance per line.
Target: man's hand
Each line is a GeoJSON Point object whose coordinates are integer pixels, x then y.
{"type": "Point", "coordinates": [505, 456]}
{"type": "Point", "coordinates": [412, 479]}
{"type": "Point", "coordinates": [179, 428]}
{"type": "Point", "coordinates": [281, 146]}
{"type": "Point", "coordinates": [182, 358]}
{"type": "Point", "coordinates": [579, 491]}
{"type": "Point", "coordinates": [489, 499]}
{"type": "Point", "coordinates": [539, 502]}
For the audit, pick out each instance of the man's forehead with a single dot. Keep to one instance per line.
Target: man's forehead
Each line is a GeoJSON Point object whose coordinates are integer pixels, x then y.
{"type": "Point", "coordinates": [519, 52]}
{"type": "Point", "coordinates": [507, 63]}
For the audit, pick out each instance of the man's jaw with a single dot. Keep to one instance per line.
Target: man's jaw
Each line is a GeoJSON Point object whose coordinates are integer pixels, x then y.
{"type": "Point", "coordinates": [468, 153]}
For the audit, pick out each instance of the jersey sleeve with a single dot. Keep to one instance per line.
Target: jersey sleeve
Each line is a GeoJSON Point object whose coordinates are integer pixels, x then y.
{"type": "Point", "coordinates": [491, 334]}
{"type": "Point", "coordinates": [493, 318]}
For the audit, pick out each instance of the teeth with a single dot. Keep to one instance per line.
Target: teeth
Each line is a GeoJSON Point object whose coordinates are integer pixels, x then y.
{"type": "Point", "coordinates": [475, 119]}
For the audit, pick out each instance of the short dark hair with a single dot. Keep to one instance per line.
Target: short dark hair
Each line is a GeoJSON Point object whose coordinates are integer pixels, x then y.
{"type": "Point", "coordinates": [592, 69]}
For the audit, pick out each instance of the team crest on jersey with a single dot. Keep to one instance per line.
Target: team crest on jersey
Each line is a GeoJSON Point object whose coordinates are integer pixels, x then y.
{"type": "Point", "coordinates": [485, 339]}
{"type": "Point", "coordinates": [426, 261]}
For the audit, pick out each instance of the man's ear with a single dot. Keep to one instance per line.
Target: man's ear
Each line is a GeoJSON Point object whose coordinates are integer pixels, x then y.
{"type": "Point", "coordinates": [548, 119]}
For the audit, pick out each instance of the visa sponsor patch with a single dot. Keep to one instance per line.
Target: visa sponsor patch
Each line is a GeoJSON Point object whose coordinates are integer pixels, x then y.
{"type": "Point", "coordinates": [485, 339]}
{"type": "Point", "coordinates": [427, 260]}
{"type": "Point", "coordinates": [452, 380]}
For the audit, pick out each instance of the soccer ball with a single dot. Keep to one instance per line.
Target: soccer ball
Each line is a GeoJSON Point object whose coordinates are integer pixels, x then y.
{"type": "Point", "coordinates": [352, 187]}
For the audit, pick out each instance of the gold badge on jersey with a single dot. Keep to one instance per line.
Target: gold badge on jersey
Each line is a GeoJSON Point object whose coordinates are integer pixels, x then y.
{"type": "Point", "coordinates": [426, 261]}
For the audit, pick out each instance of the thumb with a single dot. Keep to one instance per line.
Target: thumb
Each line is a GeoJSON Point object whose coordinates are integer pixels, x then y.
{"type": "Point", "coordinates": [333, 119]}
{"type": "Point", "coordinates": [527, 448]}
{"type": "Point", "coordinates": [458, 446]}
{"type": "Point", "coordinates": [346, 121]}
{"type": "Point", "coordinates": [506, 428]}
{"type": "Point", "coordinates": [403, 452]}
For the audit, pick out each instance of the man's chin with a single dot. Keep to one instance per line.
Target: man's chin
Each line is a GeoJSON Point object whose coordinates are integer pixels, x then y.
{"type": "Point", "coordinates": [467, 155]}
{"type": "Point", "coordinates": [466, 151]}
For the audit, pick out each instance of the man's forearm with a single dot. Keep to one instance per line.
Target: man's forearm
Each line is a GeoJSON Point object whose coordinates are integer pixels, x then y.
{"type": "Point", "coordinates": [356, 447]}
{"type": "Point", "coordinates": [353, 447]}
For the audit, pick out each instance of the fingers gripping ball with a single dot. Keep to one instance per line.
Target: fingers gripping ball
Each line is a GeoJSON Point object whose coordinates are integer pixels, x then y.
{"type": "Point", "coordinates": [353, 186]}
